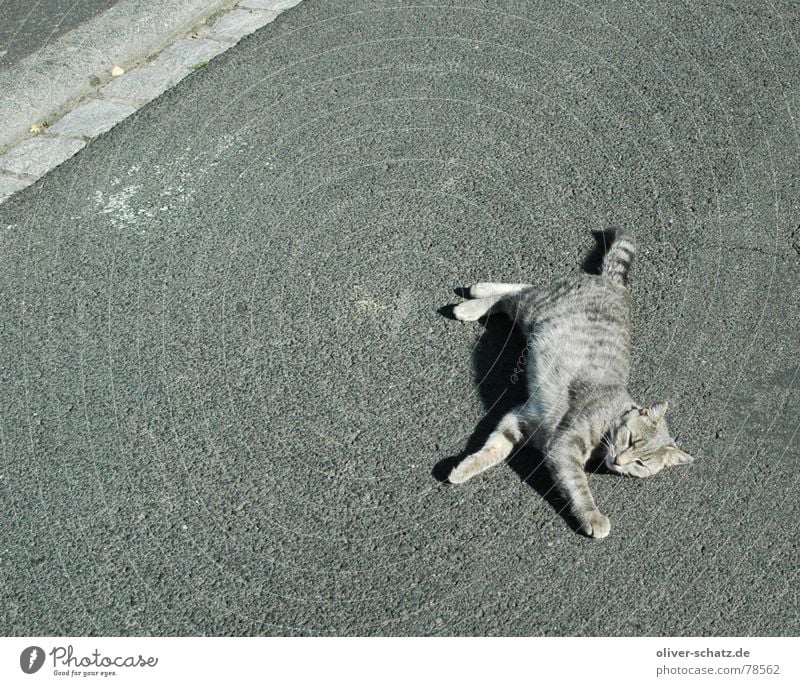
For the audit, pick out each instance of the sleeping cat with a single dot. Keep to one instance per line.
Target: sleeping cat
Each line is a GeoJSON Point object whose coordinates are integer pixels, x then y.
{"type": "Point", "coordinates": [578, 333]}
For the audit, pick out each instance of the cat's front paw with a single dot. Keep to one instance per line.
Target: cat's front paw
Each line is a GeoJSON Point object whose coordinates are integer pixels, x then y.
{"type": "Point", "coordinates": [462, 473]}
{"type": "Point", "coordinates": [468, 468]}
{"type": "Point", "coordinates": [597, 525]}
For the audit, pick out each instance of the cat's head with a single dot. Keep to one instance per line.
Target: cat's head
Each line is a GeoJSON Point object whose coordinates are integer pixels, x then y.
{"type": "Point", "coordinates": [639, 443]}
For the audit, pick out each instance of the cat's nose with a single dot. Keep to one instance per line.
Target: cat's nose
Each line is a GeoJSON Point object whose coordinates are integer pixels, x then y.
{"type": "Point", "coordinates": [617, 461]}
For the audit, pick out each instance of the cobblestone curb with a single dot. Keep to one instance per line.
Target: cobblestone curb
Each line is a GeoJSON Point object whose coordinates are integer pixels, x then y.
{"type": "Point", "coordinates": [24, 163]}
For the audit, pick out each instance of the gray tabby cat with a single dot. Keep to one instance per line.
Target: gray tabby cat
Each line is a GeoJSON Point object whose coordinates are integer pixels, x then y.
{"type": "Point", "coordinates": [578, 334]}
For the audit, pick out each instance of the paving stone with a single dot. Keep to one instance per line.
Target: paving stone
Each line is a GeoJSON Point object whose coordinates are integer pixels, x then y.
{"type": "Point", "coordinates": [35, 156]}
{"type": "Point", "coordinates": [189, 52]}
{"type": "Point", "coordinates": [237, 24]}
{"type": "Point", "coordinates": [276, 5]}
{"type": "Point", "coordinates": [145, 83]}
{"type": "Point", "coordinates": [9, 185]}
{"type": "Point", "coordinates": [92, 119]}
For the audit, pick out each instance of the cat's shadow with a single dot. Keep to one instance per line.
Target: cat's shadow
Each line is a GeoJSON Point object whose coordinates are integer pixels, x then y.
{"type": "Point", "coordinates": [499, 372]}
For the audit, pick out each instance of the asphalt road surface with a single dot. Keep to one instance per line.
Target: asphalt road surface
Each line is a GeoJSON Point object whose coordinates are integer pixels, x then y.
{"type": "Point", "coordinates": [228, 389]}
{"type": "Point", "coordinates": [27, 25]}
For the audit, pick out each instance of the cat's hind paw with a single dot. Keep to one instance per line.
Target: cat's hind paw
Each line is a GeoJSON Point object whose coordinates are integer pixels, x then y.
{"type": "Point", "coordinates": [472, 310]}
{"type": "Point", "coordinates": [487, 289]}
{"type": "Point", "coordinates": [597, 525]}
{"type": "Point", "coordinates": [483, 289]}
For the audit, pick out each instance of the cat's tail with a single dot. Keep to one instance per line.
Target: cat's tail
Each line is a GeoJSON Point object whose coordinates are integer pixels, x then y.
{"type": "Point", "coordinates": [618, 259]}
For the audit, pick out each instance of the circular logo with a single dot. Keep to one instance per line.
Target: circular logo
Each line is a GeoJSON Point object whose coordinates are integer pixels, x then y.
{"type": "Point", "coordinates": [31, 659]}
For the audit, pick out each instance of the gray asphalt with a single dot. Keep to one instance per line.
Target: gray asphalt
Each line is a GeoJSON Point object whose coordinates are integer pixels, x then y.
{"type": "Point", "coordinates": [228, 390]}
{"type": "Point", "coordinates": [27, 26]}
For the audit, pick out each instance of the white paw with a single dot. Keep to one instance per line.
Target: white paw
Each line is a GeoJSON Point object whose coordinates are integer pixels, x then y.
{"type": "Point", "coordinates": [470, 311]}
{"type": "Point", "coordinates": [482, 290]}
{"type": "Point", "coordinates": [463, 472]}
{"type": "Point", "coordinates": [597, 525]}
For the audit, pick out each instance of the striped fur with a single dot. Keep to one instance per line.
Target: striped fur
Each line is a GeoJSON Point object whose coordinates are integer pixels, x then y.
{"type": "Point", "coordinates": [619, 258]}
{"type": "Point", "coordinates": [578, 366]}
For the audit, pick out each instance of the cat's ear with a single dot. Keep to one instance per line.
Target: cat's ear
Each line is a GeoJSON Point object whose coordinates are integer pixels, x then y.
{"type": "Point", "coordinates": [675, 456]}
{"type": "Point", "coordinates": [655, 413]}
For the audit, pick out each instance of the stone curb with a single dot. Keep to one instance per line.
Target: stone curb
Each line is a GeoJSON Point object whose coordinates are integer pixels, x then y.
{"type": "Point", "coordinates": [27, 161]}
